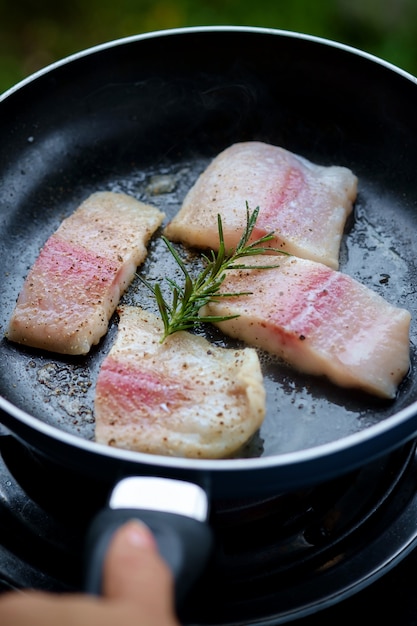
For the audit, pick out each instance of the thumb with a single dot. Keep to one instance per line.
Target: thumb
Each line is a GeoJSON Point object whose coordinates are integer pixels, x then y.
{"type": "Point", "coordinates": [134, 571]}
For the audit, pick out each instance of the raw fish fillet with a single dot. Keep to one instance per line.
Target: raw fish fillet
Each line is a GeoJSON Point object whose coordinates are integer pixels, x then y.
{"type": "Point", "coordinates": [75, 284]}
{"type": "Point", "coordinates": [306, 205]}
{"type": "Point", "coordinates": [183, 397]}
{"type": "Point", "coordinates": [320, 321]}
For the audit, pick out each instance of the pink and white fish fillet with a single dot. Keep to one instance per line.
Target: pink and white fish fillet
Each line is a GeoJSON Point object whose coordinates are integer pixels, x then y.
{"type": "Point", "coordinates": [183, 397]}
{"type": "Point", "coordinates": [319, 320]}
{"type": "Point", "coordinates": [306, 205]}
{"type": "Point", "coordinates": [76, 282]}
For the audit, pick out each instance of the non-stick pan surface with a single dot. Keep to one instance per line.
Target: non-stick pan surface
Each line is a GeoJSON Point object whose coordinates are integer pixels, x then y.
{"type": "Point", "coordinates": [144, 116]}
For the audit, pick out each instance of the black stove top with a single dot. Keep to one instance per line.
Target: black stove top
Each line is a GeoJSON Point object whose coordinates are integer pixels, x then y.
{"type": "Point", "coordinates": [305, 558]}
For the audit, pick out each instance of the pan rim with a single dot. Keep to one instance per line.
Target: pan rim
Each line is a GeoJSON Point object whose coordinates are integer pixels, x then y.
{"type": "Point", "coordinates": [203, 29]}
{"type": "Point", "coordinates": [298, 458]}
{"type": "Point", "coordinates": [401, 422]}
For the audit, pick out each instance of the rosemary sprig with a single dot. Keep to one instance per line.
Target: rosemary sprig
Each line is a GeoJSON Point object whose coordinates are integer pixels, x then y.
{"type": "Point", "coordinates": [182, 313]}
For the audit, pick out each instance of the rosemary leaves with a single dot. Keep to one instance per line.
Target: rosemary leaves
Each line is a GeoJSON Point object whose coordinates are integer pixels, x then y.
{"type": "Point", "coordinates": [182, 312]}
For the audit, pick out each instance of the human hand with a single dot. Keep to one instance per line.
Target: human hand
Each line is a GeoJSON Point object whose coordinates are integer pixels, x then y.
{"type": "Point", "coordinates": [137, 591]}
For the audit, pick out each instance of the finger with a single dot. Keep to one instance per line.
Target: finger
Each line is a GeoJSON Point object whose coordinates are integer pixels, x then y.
{"type": "Point", "coordinates": [35, 608]}
{"type": "Point", "coordinates": [135, 571]}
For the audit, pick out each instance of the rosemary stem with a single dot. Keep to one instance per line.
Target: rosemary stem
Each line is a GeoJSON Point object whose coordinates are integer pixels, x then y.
{"type": "Point", "coordinates": [182, 313]}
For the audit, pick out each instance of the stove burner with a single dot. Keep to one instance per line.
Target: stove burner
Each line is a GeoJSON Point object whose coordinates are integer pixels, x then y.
{"type": "Point", "coordinates": [276, 559]}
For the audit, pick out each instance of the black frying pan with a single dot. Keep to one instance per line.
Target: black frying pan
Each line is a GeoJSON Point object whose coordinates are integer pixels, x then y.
{"type": "Point", "coordinates": [120, 115]}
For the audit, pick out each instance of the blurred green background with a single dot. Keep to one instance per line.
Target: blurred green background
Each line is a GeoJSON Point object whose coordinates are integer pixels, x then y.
{"type": "Point", "coordinates": [34, 33]}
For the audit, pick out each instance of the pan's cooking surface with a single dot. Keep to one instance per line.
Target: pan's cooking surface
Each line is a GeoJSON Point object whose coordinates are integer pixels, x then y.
{"type": "Point", "coordinates": [302, 411]}
{"type": "Point", "coordinates": [111, 121]}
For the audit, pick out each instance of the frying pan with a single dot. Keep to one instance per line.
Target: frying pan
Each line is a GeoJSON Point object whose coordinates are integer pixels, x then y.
{"type": "Point", "coordinates": [145, 115]}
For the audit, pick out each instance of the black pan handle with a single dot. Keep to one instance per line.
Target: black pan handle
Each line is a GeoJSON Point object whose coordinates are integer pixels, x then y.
{"type": "Point", "coordinates": [178, 522]}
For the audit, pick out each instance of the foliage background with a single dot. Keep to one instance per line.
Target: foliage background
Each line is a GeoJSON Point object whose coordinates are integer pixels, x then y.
{"type": "Point", "coordinates": [34, 33]}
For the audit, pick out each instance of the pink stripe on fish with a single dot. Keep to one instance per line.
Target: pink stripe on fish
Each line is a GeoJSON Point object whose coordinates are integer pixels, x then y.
{"type": "Point", "coordinates": [124, 383]}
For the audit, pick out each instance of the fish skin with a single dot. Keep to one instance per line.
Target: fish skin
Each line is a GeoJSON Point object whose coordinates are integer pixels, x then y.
{"type": "Point", "coordinates": [81, 272]}
{"type": "Point", "coordinates": [182, 397]}
{"type": "Point", "coordinates": [305, 204]}
{"type": "Point", "coordinates": [320, 321]}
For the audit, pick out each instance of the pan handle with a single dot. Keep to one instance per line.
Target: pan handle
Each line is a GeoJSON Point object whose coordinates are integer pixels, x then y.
{"type": "Point", "coordinates": [176, 513]}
